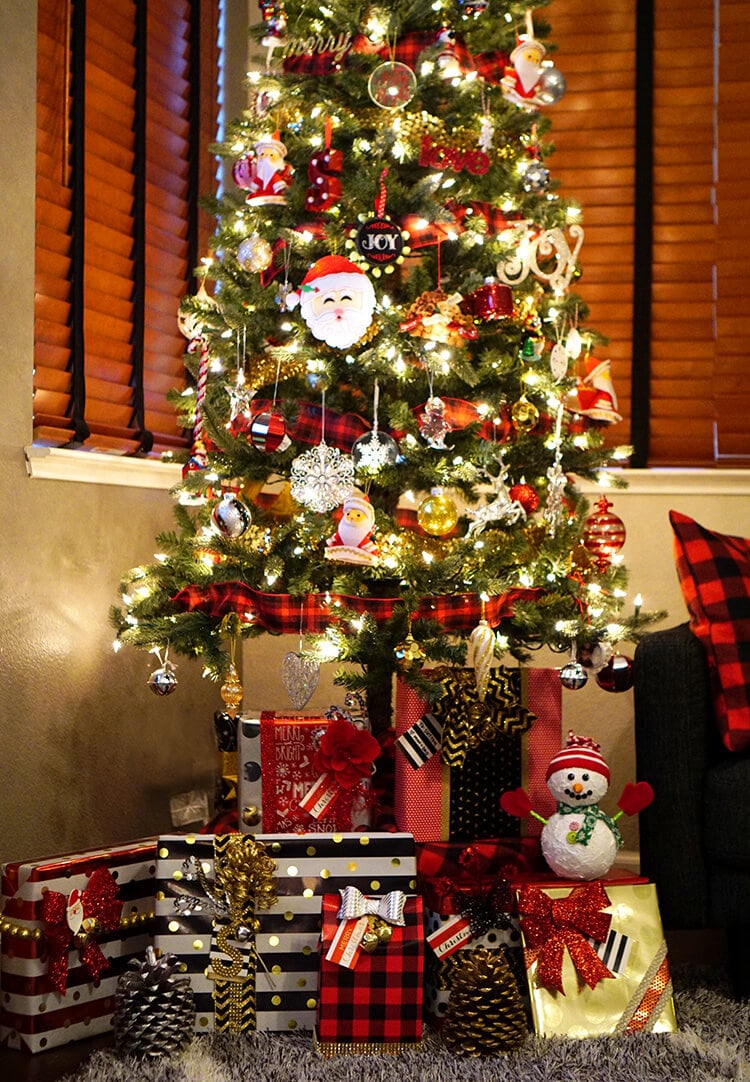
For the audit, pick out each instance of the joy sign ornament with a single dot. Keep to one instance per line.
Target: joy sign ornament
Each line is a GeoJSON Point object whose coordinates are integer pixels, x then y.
{"type": "Point", "coordinates": [529, 248]}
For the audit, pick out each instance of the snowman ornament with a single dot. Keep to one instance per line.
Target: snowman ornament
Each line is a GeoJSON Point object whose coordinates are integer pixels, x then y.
{"type": "Point", "coordinates": [580, 841]}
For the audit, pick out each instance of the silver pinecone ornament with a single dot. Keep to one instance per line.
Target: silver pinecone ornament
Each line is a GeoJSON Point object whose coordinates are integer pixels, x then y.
{"type": "Point", "coordinates": [154, 1007]}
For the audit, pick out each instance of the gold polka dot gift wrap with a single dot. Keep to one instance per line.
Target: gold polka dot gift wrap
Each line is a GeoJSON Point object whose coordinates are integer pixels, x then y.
{"type": "Point", "coordinates": [284, 937]}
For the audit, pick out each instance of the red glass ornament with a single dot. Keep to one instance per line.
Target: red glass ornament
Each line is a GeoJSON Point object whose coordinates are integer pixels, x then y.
{"type": "Point", "coordinates": [603, 533]}
{"type": "Point", "coordinates": [617, 674]}
{"type": "Point", "coordinates": [526, 496]}
{"type": "Point", "coordinates": [491, 301]}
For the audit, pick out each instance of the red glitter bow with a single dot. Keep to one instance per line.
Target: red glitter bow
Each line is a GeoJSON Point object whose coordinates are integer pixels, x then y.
{"type": "Point", "coordinates": [99, 904]}
{"type": "Point", "coordinates": [552, 924]}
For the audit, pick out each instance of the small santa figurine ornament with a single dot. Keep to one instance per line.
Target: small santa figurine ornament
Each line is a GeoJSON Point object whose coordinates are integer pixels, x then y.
{"type": "Point", "coordinates": [579, 841]}
{"type": "Point", "coordinates": [520, 81]}
{"type": "Point", "coordinates": [337, 301]}
{"type": "Point", "coordinates": [352, 543]}
{"type": "Point", "coordinates": [267, 175]}
{"type": "Point", "coordinates": [595, 394]}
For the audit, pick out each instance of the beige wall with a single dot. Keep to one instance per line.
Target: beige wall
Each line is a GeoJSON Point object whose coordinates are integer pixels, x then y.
{"type": "Point", "coordinates": [88, 755]}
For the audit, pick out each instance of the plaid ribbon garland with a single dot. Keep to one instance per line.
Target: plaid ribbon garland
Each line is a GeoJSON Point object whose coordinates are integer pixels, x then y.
{"type": "Point", "coordinates": [285, 613]}
{"type": "Point", "coordinates": [489, 66]}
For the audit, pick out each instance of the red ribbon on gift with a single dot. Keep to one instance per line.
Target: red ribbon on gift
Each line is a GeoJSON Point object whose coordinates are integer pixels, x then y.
{"type": "Point", "coordinates": [99, 903]}
{"type": "Point", "coordinates": [550, 925]}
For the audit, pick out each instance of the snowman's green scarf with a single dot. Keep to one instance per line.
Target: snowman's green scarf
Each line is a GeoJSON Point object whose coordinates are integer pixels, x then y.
{"type": "Point", "coordinates": [591, 814]}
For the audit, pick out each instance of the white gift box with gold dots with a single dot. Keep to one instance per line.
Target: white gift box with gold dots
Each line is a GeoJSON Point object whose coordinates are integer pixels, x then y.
{"type": "Point", "coordinates": [280, 951]}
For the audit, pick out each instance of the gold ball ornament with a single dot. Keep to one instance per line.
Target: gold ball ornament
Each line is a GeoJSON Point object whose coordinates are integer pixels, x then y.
{"type": "Point", "coordinates": [410, 657]}
{"type": "Point", "coordinates": [254, 253]}
{"type": "Point", "coordinates": [437, 514]}
{"type": "Point", "coordinates": [525, 415]}
{"type": "Point", "coordinates": [232, 690]}
{"type": "Point", "coordinates": [251, 815]}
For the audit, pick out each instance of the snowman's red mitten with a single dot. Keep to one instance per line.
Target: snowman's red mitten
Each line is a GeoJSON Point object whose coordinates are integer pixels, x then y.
{"type": "Point", "coordinates": [635, 797]}
{"type": "Point", "coordinates": [516, 802]}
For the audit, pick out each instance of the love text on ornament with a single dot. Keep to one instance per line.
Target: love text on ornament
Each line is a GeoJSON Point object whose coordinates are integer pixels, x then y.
{"type": "Point", "coordinates": [437, 156]}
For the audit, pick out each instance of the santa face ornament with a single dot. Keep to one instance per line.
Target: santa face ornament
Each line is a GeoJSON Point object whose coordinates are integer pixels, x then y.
{"type": "Point", "coordinates": [352, 543]}
{"type": "Point", "coordinates": [336, 300]}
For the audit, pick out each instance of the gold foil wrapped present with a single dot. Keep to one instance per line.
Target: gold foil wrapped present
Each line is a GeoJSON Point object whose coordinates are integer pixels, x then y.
{"type": "Point", "coordinates": [638, 994]}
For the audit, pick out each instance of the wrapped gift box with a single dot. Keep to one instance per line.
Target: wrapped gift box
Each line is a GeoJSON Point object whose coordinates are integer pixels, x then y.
{"type": "Point", "coordinates": [463, 882]}
{"type": "Point", "coordinates": [620, 922]}
{"type": "Point", "coordinates": [280, 962]}
{"type": "Point", "coordinates": [434, 801]}
{"type": "Point", "coordinates": [374, 1006]}
{"type": "Point", "coordinates": [55, 987]}
{"type": "Point", "coordinates": [277, 771]}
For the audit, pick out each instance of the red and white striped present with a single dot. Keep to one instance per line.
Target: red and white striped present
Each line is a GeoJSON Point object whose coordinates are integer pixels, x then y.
{"type": "Point", "coordinates": [435, 802]}
{"type": "Point", "coordinates": [70, 924]}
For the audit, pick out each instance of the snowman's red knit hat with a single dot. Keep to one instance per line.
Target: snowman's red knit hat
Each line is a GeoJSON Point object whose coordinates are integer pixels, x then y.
{"type": "Point", "coordinates": [581, 752]}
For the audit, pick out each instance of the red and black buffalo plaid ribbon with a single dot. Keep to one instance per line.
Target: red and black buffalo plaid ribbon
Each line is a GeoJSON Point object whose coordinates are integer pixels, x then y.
{"type": "Point", "coordinates": [379, 1002]}
{"type": "Point", "coordinates": [286, 613]}
{"type": "Point", "coordinates": [489, 66]}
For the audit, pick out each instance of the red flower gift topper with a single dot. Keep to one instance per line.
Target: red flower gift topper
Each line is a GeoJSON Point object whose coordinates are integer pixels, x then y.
{"type": "Point", "coordinates": [347, 753]}
{"type": "Point", "coordinates": [344, 757]}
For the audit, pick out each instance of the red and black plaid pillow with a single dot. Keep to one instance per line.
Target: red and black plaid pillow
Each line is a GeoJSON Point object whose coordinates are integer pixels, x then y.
{"type": "Point", "coordinates": [714, 572]}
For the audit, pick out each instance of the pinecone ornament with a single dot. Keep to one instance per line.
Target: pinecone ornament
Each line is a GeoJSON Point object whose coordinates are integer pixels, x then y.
{"type": "Point", "coordinates": [154, 1008]}
{"type": "Point", "coordinates": [485, 1013]}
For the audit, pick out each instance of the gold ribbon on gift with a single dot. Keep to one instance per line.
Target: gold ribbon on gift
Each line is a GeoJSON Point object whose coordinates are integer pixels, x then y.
{"type": "Point", "coordinates": [651, 997]}
{"type": "Point", "coordinates": [243, 884]}
{"type": "Point", "coordinates": [467, 720]}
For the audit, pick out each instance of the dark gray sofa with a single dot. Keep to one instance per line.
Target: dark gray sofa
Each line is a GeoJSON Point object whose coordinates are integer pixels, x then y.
{"type": "Point", "coordinates": [695, 837]}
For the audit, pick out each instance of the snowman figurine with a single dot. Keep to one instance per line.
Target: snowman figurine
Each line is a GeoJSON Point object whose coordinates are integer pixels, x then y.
{"type": "Point", "coordinates": [579, 841]}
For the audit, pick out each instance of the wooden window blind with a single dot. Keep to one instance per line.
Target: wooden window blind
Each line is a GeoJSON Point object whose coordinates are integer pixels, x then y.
{"type": "Point", "coordinates": [731, 389]}
{"type": "Point", "coordinates": [683, 331]}
{"type": "Point", "coordinates": [593, 132]}
{"type": "Point", "coordinates": [127, 102]}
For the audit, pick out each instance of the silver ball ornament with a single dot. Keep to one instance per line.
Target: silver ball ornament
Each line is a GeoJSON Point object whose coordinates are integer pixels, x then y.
{"type": "Point", "coordinates": [231, 516]}
{"type": "Point", "coordinates": [573, 676]}
{"type": "Point", "coordinates": [536, 177]}
{"type": "Point", "coordinates": [551, 85]}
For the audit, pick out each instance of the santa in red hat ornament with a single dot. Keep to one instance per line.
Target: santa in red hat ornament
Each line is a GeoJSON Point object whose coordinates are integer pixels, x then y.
{"type": "Point", "coordinates": [336, 300]}
{"type": "Point", "coordinates": [579, 841]}
{"type": "Point", "coordinates": [352, 543]}
{"type": "Point", "coordinates": [265, 174]}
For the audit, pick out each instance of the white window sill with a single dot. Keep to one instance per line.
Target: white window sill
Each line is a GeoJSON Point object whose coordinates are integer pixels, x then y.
{"type": "Point", "coordinates": [61, 464]}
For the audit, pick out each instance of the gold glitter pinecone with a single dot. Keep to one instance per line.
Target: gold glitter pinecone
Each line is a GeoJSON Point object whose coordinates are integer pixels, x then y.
{"type": "Point", "coordinates": [485, 1013]}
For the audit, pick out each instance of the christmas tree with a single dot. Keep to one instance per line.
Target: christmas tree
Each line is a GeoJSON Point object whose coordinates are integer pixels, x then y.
{"type": "Point", "coordinates": [395, 387]}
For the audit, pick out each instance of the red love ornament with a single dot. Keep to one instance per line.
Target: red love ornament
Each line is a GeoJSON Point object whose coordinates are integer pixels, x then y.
{"type": "Point", "coordinates": [552, 925]}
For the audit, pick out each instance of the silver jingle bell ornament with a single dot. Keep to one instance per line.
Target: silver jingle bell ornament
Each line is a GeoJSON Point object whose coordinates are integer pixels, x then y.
{"type": "Point", "coordinates": [573, 676]}
{"type": "Point", "coordinates": [163, 681]}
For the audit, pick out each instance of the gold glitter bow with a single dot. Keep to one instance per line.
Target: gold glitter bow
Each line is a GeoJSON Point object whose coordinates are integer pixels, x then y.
{"type": "Point", "coordinates": [467, 720]}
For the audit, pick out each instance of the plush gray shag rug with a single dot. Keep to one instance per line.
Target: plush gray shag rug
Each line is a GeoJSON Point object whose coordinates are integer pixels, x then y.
{"type": "Point", "coordinates": [712, 1045]}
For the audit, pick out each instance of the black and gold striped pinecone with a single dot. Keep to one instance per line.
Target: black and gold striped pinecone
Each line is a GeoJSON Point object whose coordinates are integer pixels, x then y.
{"type": "Point", "coordinates": [485, 1013]}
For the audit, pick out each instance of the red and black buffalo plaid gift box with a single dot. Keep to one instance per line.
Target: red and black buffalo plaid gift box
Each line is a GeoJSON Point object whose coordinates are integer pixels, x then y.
{"type": "Point", "coordinates": [371, 974]}
{"type": "Point", "coordinates": [70, 924]}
